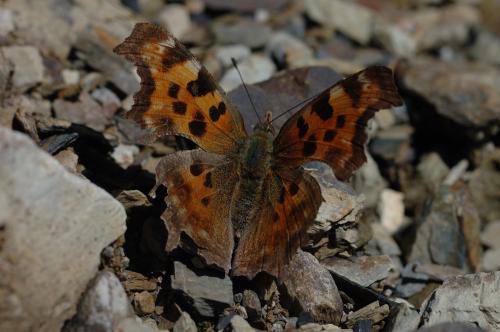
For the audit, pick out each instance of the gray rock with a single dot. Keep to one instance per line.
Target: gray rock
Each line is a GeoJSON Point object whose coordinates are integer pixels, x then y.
{"type": "Point", "coordinates": [6, 22]}
{"type": "Point", "coordinates": [134, 324]}
{"type": "Point", "coordinates": [254, 68]}
{"type": "Point", "coordinates": [55, 224]}
{"type": "Point", "coordinates": [354, 20]}
{"type": "Point", "coordinates": [364, 270]}
{"type": "Point", "coordinates": [485, 187]}
{"type": "Point", "coordinates": [239, 324]}
{"type": "Point", "coordinates": [102, 306]}
{"type": "Point", "coordinates": [486, 48]}
{"type": "Point", "coordinates": [406, 319]}
{"type": "Point", "coordinates": [452, 326]}
{"type": "Point", "coordinates": [244, 5]}
{"type": "Point", "coordinates": [28, 66]}
{"type": "Point", "coordinates": [432, 171]}
{"type": "Point", "coordinates": [313, 287]}
{"type": "Point", "coordinates": [391, 210]}
{"type": "Point", "coordinates": [491, 260]}
{"type": "Point", "coordinates": [386, 244]}
{"type": "Point", "coordinates": [108, 99]}
{"type": "Point", "coordinates": [289, 50]}
{"type": "Point", "coordinates": [490, 236]}
{"type": "Point", "coordinates": [469, 298]}
{"type": "Point", "coordinates": [240, 31]}
{"type": "Point", "coordinates": [185, 324]}
{"type": "Point", "coordinates": [238, 52]}
{"type": "Point", "coordinates": [369, 181]}
{"type": "Point", "coordinates": [85, 111]}
{"type": "Point", "coordinates": [208, 295]}
{"type": "Point", "coordinates": [406, 33]}
{"type": "Point", "coordinates": [463, 92]}
{"type": "Point", "coordinates": [176, 19]}
{"type": "Point", "coordinates": [250, 300]}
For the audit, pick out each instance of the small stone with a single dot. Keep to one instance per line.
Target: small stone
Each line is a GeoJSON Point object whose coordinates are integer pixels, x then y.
{"type": "Point", "coordinates": [108, 100]}
{"type": "Point", "coordinates": [452, 326]}
{"type": "Point", "coordinates": [385, 242]}
{"type": "Point", "coordinates": [70, 76]}
{"type": "Point", "coordinates": [6, 22]}
{"type": "Point", "coordinates": [239, 324]}
{"type": "Point", "coordinates": [124, 155]}
{"type": "Point", "coordinates": [250, 300]}
{"type": "Point", "coordinates": [102, 306]}
{"type": "Point", "coordinates": [28, 66]}
{"type": "Point", "coordinates": [207, 295]}
{"type": "Point", "coordinates": [144, 302]}
{"type": "Point", "coordinates": [313, 287]}
{"type": "Point", "coordinates": [254, 69]}
{"type": "Point", "coordinates": [69, 159]}
{"type": "Point", "coordinates": [134, 324]}
{"type": "Point", "coordinates": [486, 48]}
{"type": "Point", "coordinates": [432, 171]}
{"type": "Point", "coordinates": [469, 298]}
{"type": "Point", "coordinates": [354, 20]}
{"type": "Point", "coordinates": [241, 31]}
{"type": "Point", "coordinates": [407, 317]}
{"type": "Point", "coordinates": [176, 19]}
{"type": "Point", "coordinates": [45, 202]}
{"type": "Point", "coordinates": [491, 260]}
{"type": "Point", "coordinates": [244, 5]}
{"type": "Point", "coordinates": [369, 181]}
{"type": "Point", "coordinates": [490, 236]}
{"type": "Point", "coordinates": [374, 312]}
{"type": "Point", "coordinates": [225, 53]}
{"type": "Point", "coordinates": [364, 270]}
{"type": "Point", "coordinates": [391, 210]}
{"type": "Point", "coordinates": [33, 105]}
{"type": "Point", "coordinates": [138, 282]}
{"type": "Point", "coordinates": [91, 81]}
{"type": "Point", "coordinates": [484, 185]}
{"type": "Point", "coordinates": [85, 111]}
{"type": "Point", "coordinates": [289, 50]}
{"type": "Point", "coordinates": [185, 324]}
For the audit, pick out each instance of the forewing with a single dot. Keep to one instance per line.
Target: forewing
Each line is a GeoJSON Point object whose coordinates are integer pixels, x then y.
{"type": "Point", "coordinates": [290, 203]}
{"type": "Point", "coordinates": [178, 96]}
{"type": "Point", "coordinates": [332, 127]}
{"type": "Point", "coordinates": [200, 186]}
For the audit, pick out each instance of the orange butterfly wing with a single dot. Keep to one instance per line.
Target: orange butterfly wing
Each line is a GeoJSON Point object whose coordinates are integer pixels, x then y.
{"type": "Point", "coordinates": [332, 127]}
{"type": "Point", "coordinates": [178, 96]}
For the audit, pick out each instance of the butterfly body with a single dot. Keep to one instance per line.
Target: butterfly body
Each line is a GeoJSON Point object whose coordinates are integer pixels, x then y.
{"type": "Point", "coordinates": [249, 187]}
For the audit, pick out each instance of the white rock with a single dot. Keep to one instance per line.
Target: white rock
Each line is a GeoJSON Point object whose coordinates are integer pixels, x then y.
{"type": "Point", "coordinates": [491, 260]}
{"type": "Point", "coordinates": [391, 210]}
{"type": "Point", "coordinates": [225, 53]}
{"type": "Point", "coordinates": [124, 155]}
{"type": "Point", "coordinates": [28, 65]}
{"type": "Point", "coordinates": [354, 20]}
{"type": "Point", "coordinates": [134, 324]}
{"type": "Point", "coordinates": [6, 22]}
{"type": "Point", "coordinates": [239, 324]}
{"type": "Point", "coordinates": [287, 49]}
{"type": "Point", "coordinates": [54, 225]}
{"type": "Point", "coordinates": [469, 298]}
{"type": "Point", "coordinates": [103, 305]}
{"type": "Point", "coordinates": [176, 18]}
{"type": "Point", "coordinates": [490, 236]}
{"type": "Point", "coordinates": [185, 324]}
{"type": "Point", "coordinates": [254, 69]}
{"type": "Point", "coordinates": [70, 76]}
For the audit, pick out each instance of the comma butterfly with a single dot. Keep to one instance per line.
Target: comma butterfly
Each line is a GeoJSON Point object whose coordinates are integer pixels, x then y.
{"type": "Point", "coordinates": [239, 192]}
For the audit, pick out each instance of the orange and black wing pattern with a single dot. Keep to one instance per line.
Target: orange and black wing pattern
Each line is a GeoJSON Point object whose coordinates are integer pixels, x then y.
{"type": "Point", "coordinates": [332, 127]}
{"type": "Point", "coordinates": [178, 96]}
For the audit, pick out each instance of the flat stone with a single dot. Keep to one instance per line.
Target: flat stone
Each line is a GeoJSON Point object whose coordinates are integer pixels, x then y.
{"type": "Point", "coordinates": [144, 302]}
{"type": "Point", "coordinates": [354, 20]}
{"type": "Point", "coordinates": [289, 50]}
{"type": "Point", "coordinates": [185, 324]}
{"type": "Point", "coordinates": [241, 31]}
{"type": "Point", "coordinates": [85, 111]}
{"type": "Point", "coordinates": [432, 170]}
{"type": "Point", "coordinates": [368, 180]}
{"type": "Point", "coordinates": [55, 224]}
{"type": "Point", "coordinates": [102, 306]}
{"type": "Point", "coordinates": [28, 66]}
{"type": "Point", "coordinates": [313, 287]}
{"type": "Point", "coordinates": [465, 93]}
{"type": "Point", "coordinates": [254, 68]}
{"type": "Point", "coordinates": [207, 295]}
{"type": "Point", "coordinates": [469, 298]}
{"type": "Point", "coordinates": [452, 326]}
{"type": "Point", "coordinates": [237, 51]}
{"type": "Point", "coordinates": [364, 270]}
{"type": "Point", "coordinates": [491, 260]}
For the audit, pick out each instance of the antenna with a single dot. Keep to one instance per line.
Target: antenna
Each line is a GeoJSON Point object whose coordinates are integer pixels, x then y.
{"type": "Point", "coordinates": [297, 105]}
{"type": "Point", "coordinates": [245, 86]}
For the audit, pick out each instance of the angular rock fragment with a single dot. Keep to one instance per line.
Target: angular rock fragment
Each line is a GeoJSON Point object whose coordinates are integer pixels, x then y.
{"type": "Point", "coordinates": [28, 66]}
{"type": "Point", "coordinates": [185, 324]}
{"type": "Point", "coordinates": [55, 224]}
{"type": "Point", "coordinates": [208, 296]}
{"type": "Point", "coordinates": [312, 286]}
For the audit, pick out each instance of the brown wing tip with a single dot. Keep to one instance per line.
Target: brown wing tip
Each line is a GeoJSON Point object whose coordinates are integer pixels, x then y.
{"type": "Point", "coordinates": [383, 77]}
{"type": "Point", "coordinates": [142, 33]}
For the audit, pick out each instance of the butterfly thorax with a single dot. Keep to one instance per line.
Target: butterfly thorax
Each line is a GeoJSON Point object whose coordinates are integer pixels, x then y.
{"type": "Point", "coordinates": [255, 155]}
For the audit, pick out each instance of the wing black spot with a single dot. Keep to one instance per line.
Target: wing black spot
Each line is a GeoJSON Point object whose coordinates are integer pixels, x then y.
{"type": "Point", "coordinates": [329, 135]}
{"type": "Point", "coordinates": [198, 126]}
{"type": "Point", "coordinates": [322, 107]}
{"type": "Point", "coordinates": [302, 126]}
{"type": "Point", "coordinates": [205, 201]}
{"type": "Point", "coordinates": [354, 88]}
{"type": "Point", "coordinates": [340, 121]}
{"type": "Point", "coordinates": [196, 169]}
{"type": "Point", "coordinates": [293, 189]}
{"type": "Point", "coordinates": [173, 90]}
{"type": "Point", "coordinates": [203, 85]}
{"type": "Point", "coordinates": [276, 217]}
{"type": "Point", "coordinates": [281, 199]}
{"type": "Point", "coordinates": [179, 107]}
{"type": "Point", "coordinates": [208, 180]}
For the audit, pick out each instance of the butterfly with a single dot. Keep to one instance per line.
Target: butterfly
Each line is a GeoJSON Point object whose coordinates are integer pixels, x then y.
{"type": "Point", "coordinates": [244, 199]}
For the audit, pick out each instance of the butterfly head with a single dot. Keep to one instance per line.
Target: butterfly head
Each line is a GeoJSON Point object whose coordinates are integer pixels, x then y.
{"type": "Point", "coordinates": [265, 126]}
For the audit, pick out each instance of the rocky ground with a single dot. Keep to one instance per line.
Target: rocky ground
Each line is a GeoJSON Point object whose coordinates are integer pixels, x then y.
{"type": "Point", "coordinates": [411, 242]}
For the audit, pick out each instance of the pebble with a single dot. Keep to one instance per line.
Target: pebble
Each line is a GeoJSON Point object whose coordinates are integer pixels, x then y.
{"type": "Point", "coordinates": [28, 66]}
{"type": "Point", "coordinates": [45, 202]}
{"type": "Point", "coordinates": [391, 210]}
{"type": "Point", "coordinates": [484, 185]}
{"type": "Point", "coordinates": [6, 22]}
{"type": "Point", "coordinates": [241, 31]}
{"type": "Point", "coordinates": [207, 295]}
{"type": "Point", "coordinates": [491, 259]}
{"type": "Point", "coordinates": [185, 324]}
{"type": "Point", "coordinates": [70, 76]}
{"type": "Point", "coordinates": [176, 19]}
{"type": "Point", "coordinates": [490, 236]}
{"type": "Point", "coordinates": [225, 53]}
{"type": "Point", "coordinates": [287, 49]}
{"type": "Point", "coordinates": [144, 302]}
{"type": "Point", "coordinates": [254, 69]}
